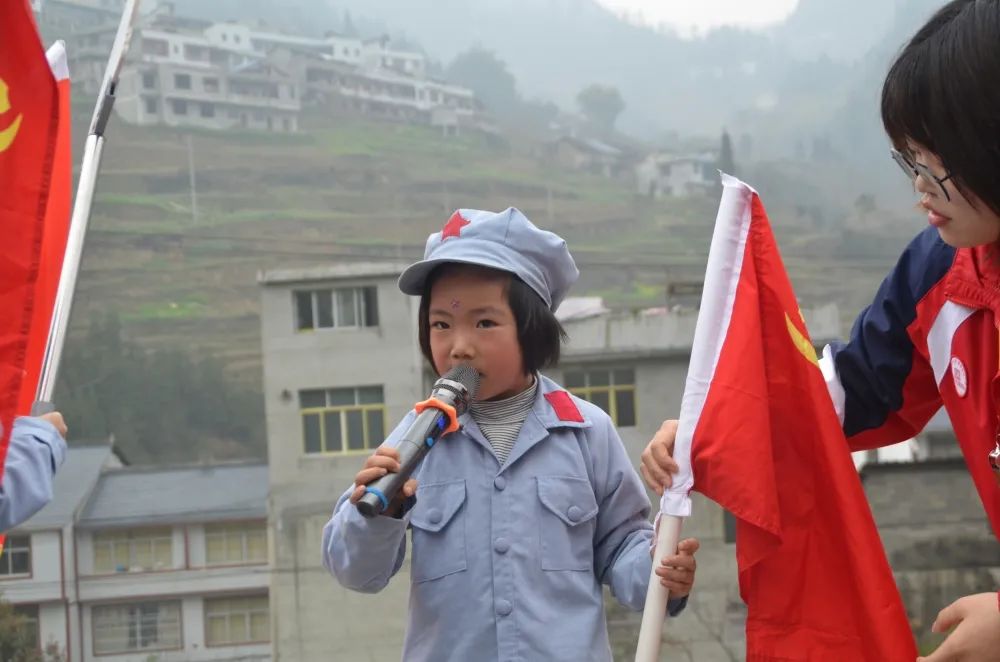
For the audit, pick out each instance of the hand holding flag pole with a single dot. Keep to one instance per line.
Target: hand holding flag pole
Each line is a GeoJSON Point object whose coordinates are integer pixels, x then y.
{"type": "Point", "coordinates": [89, 170]}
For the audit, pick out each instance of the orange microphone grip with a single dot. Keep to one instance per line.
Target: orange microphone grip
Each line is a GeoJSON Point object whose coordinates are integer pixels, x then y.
{"type": "Point", "coordinates": [443, 406]}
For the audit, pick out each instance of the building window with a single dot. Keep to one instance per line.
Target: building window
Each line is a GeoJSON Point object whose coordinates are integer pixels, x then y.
{"type": "Point", "coordinates": [154, 47]}
{"type": "Point", "coordinates": [235, 544]}
{"type": "Point", "coordinates": [150, 105]}
{"type": "Point", "coordinates": [179, 106]}
{"type": "Point", "coordinates": [613, 390]}
{"type": "Point", "coordinates": [27, 625]}
{"type": "Point", "coordinates": [237, 620]}
{"type": "Point", "coordinates": [182, 81]}
{"type": "Point", "coordinates": [210, 84]}
{"type": "Point", "coordinates": [338, 420]}
{"type": "Point", "coordinates": [140, 626]}
{"type": "Point", "coordinates": [207, 110]}
{"type": "Point", "coordinates": [134, 550]}
{"type": "Point", "coordinates": [346, 307]}
{"type": "Point", "coordinates": [16, 558]}
{"type": "Point", "coordinates": [196, 53]}
{"type": "Point", "coordinates": [148, 80]}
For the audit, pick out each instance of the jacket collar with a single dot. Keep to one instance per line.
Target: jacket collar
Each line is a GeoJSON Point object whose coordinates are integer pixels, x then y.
{"type": "Point", "coordinates": [974, 278]}
{"type": "Point", "coordinates": [541, 420]}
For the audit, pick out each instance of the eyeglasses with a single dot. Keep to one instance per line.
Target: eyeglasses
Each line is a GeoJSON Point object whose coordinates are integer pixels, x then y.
{"type": "Point", "coordinates": [913, 169]}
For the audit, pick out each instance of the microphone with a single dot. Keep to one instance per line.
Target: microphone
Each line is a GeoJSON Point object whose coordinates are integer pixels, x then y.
{"type": "Point", "coordinates": [436, 417]}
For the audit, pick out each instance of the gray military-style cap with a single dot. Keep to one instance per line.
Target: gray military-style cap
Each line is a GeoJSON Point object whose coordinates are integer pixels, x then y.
{"type": "Point", "coordinates": [507, 241]}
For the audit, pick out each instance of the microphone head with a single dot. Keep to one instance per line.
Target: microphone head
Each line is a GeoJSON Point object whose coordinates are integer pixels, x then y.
{"type": "Point", "coordinates": [464, 382]}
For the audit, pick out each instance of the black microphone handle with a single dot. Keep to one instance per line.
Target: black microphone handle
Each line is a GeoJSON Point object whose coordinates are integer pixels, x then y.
{"type": "Point", "coordinates": [412, 447]}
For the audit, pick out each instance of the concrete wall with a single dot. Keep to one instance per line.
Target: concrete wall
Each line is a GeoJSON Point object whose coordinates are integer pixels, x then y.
{"type": "Point", "coordinates": [936, 536]}
{"type": "Point", "coordinates": [52, 625]}
{"type": "Point", "coordinates": [312, 617]}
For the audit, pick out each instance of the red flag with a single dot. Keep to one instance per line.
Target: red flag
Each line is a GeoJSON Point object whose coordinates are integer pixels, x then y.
{"type": "Point", "coordinates": [55, 233]}
{"type": "Point", "coordinates": [768, 446]}
{"type": "Point", "coordinates": [29, 122]}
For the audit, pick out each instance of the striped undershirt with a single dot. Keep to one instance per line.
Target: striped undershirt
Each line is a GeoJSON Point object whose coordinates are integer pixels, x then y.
{"type": "Point", "coordinates": [501, 420]}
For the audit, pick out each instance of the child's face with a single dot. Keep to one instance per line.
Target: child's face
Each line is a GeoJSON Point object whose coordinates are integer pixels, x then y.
{"type": "Point", "coordinates": [471, 322]}
{"type": "Point", "coordinates": [965, 220]}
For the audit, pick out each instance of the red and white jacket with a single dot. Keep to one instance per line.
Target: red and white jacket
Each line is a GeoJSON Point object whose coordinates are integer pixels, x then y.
{"type": "Point", "coordinates": [928, 339]}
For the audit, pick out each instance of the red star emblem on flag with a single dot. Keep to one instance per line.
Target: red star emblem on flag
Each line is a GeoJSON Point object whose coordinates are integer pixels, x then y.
{"type": "Point", "coordinates": [453, 228]}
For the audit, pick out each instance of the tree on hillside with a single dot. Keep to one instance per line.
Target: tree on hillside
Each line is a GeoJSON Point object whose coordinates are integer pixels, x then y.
{"type": "Point", "coordinates": [348, 26]}
{"type": "Point", "coordinates": [601, 105]}
{"type": "Point", "coordinates": [485, 74]}
{"type": "Point", "coordinates": [726, 162]}
{"type": "Point", "coordinates": [164, 406]}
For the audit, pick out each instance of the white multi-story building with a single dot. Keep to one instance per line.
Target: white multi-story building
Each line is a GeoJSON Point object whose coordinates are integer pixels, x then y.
{"type": "Point", "coordinates": [185, 72]}
{"type": "Point", "coordinates": [387, 94]}
{"type": "Point", "coordinates": [133, 564]}
{"type": "Point", "coordinates": [175, 75]}
{"type": "Point", "coordinates": [377, 54]}
{"type": "Point", "coordinates": [338, 48]}
{"type": "Point", "coordinates": [661, 174]}
{"type": "Point", "coordinates": [342, 365]}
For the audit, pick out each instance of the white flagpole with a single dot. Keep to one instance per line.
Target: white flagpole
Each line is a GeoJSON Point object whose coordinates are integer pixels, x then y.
{"type": "Point", "coordinates": [648, 648]}
{"type": "Point", "coordinates": [725, 260]}
{"type": "Point", "coordinates": [82, 204]}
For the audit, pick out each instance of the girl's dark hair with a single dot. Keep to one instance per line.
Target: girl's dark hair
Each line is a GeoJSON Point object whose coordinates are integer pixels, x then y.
{"type": "Point", "coordinates": [943, 92]}
{"type": "Point", "coordinates": [539, 333]}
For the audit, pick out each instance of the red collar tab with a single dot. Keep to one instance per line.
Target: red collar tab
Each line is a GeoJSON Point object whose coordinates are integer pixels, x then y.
{"type": "Point", "coordinates": [564, 407]}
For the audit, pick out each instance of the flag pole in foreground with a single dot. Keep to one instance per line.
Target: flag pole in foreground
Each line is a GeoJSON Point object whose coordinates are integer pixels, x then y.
{"type": "Point", "coordinates": [725, 259]}
{"type": "Point", "coordinates": [89, 170]}
{"type": "Point", "coordinates": [667, 536]}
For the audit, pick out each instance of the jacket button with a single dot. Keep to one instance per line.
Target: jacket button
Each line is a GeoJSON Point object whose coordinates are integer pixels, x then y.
{"type": "Point", "coordinates": [504, 607]}
{"type": "Point", "coordinates": [574, 513]}
{"type": "Point", "coordinates": [500, 483]}
{"type": "Point", "coordinates": [434, 516]}
{"type": "Point", "coordinates": [500, 545]}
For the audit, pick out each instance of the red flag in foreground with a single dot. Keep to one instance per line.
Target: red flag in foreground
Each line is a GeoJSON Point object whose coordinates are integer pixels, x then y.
{"type": "Point", "coordinates": [55, 232]}
{"type": "Point", "coordinates": [766, 444]}
{"type": "Point", "coordinates": [29, 125]}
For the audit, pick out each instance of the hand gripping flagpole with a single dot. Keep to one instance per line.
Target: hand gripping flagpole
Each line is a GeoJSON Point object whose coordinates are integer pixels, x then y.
{"type": "Point", "coordinates": [725, 261]}
{"type": "Point", "coordinates": [91, 165]}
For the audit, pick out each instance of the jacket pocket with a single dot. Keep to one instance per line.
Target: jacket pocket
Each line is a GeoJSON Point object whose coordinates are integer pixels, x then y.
{"type": "Point", "coordinates": [438, 531]}
{"type": "Point", "coordinates": [567, 513]}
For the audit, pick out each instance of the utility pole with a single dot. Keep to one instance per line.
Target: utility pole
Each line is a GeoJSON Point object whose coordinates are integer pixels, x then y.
{"type": "Point", "coordinates": [191, 180]}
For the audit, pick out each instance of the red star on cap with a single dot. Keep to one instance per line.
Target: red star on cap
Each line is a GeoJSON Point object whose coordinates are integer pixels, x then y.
{"type": "Point", "coordinates": [453, 228]}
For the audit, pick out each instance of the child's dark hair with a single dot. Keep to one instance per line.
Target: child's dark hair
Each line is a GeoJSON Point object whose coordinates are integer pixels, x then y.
{"type": "Point", "coordinates": [539, 333]}
{"type": "Point", "coordinates": [943, 92]}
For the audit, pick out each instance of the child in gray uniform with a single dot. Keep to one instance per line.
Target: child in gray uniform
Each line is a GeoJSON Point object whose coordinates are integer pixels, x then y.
{"type": "Point", "coordinates": [521, 515]}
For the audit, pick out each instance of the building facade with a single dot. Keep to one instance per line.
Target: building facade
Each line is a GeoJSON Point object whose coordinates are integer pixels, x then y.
{"type": "Point", "coordinates": [661, 174]}
{"type": "Point", "coordinates": [134, 564]}
{"type": "Point", "coordinates": [188, 73]}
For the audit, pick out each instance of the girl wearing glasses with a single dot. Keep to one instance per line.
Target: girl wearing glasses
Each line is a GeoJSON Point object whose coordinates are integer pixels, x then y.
{"type": "Point", "coordinates": [930, 337]}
